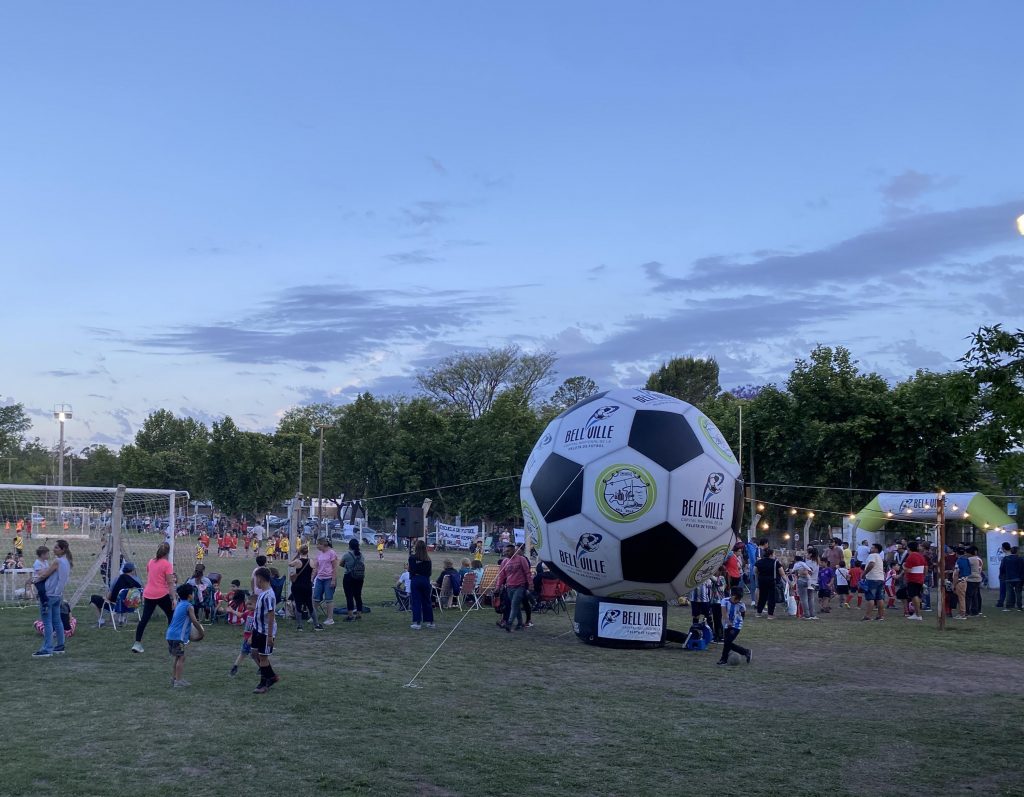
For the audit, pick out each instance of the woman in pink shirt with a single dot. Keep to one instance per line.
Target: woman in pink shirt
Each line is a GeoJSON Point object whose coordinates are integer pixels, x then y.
{"type": "Point", "coordinates": [159, 591]}
{"type": "Point", "coordinates": [326, 580]}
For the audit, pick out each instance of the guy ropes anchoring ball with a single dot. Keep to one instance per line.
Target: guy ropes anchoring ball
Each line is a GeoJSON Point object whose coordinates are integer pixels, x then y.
{"type": "Point", "coordinates": [632, 494]}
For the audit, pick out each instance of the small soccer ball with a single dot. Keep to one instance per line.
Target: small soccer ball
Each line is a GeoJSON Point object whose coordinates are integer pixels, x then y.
{"type": "Point", "coordinates": [735, 659]}
{"type": "Point", "coordinates": [197, 634]}
{"type": "Point", "coordinates": [632, 494]}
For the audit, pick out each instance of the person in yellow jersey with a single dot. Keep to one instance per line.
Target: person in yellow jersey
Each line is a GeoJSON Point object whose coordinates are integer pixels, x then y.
{"type": "Point", "coordinates": [282, 548]}
{"type": "Point", "coordinates": [380, 547]}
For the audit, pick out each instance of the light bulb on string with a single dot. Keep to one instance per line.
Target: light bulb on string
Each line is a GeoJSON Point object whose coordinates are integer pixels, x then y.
{"type": "Point", "coordinates": [966, 516]}
{"type": "Point", "coordinates": [955, 508]}
{"type": "Point", "coordinates": [785, 536]}
{"type": "Point", "coordinates": [888, 514]}
{"type": "Point", "coordinates": [764, 526]}
{"type": "Point", "coordinates": [792, 511]}
{"type": "Point", "coordinates": [760, 507]}
{"type": "Point", "coordinates": [810, 514]}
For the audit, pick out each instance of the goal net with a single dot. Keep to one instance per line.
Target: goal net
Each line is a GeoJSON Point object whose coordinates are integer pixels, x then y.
{"type": "Point", "coordinates": [103, 526]}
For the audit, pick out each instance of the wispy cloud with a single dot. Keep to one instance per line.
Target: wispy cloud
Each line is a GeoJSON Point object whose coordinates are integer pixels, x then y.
{"type": "Point", "coordinates": [899, 247]}
{"type": "Point", "coordinates": [321, 324]}
{"type": "Point", "coordinates": [436, 165]}
{"type": "Point", "coordinates": [911, 185]}
{"type": "Point", "coordinates": [414, 257]}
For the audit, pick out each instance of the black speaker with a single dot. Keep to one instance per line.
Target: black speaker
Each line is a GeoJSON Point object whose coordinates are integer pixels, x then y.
{"type": "Point", "coordinates": [410, 521]}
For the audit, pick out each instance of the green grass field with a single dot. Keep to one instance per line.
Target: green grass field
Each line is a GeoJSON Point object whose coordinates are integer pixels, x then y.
{"type": "Point", "coordinates": [833, 708]}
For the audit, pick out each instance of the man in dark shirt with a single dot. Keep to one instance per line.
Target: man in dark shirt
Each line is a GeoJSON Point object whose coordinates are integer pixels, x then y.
{"type": "Point", "coordinates": [1011, 570]}
{"type": "Point", "coordinates": [768, 569]}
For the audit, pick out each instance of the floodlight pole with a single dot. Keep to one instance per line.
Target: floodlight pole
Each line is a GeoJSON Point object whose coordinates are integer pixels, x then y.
{"type": "Point", "coordinates": [61, 413]}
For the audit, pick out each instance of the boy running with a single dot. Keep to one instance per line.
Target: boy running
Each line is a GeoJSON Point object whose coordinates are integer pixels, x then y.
{"type": "Point", "coordinates": [734, 610]}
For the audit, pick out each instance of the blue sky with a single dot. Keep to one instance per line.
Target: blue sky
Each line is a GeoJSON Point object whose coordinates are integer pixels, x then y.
{"type": "Point", "coordinates": [226, 208]}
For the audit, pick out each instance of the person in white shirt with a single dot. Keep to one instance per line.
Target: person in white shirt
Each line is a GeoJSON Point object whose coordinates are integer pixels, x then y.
{"type": "Point", "coordinates": [873, 581]}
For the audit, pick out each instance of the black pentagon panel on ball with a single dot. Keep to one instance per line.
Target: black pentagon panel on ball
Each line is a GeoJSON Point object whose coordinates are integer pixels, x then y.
{"type": "Point", "coordinates": [664, 437]}
{"type": "Point", "coordinates": [655, 556]}
{"type": "Point", "coordinates": [585, 401]}
{"type": "Point", "coordinates": [558, 488]}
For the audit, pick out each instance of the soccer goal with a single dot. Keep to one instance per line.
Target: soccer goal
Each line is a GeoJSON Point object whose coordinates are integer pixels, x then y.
{"type": "Point", "coordinates": [103, 526]}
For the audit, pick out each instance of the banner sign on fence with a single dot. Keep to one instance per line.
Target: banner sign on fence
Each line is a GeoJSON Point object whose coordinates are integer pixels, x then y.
{"type": "Point", "coordinates": [457, 536]}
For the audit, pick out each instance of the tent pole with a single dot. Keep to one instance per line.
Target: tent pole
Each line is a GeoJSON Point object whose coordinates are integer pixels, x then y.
{"type": "Point", "coordinates": [940, 559]}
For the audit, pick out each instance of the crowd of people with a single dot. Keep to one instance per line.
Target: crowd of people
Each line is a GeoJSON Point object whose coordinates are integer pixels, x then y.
{"type": "Point", "coordinates": [873, 577]}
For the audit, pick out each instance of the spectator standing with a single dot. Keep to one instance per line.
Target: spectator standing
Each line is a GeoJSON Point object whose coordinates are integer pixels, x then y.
{"type": "Point", "coordinates": [863, 552]}
{"type": "Point", "coordinates": [302, 588]}
{"type": "Point", "coordinates": [769, 572]}
{"type": "Point", "coordinates": [1012, 572]}
{"type": "Point", "coordinates": [352, 581]}
{"type": "Point", "coordinates": [55, 578]}
{"type": "Point", "coordinates": [873, 582]}
{"type": "Point", "coordinates": [1001, 554]}
{"type": "Point", "coordinates": [915, 570]}
{"type": "Point", "coordinates": [974, 583]}
{"type": "Point", "coordinates": [961, 570]}
{"type": "Point", "coordinates": [834, 554]}
{"type": "Point", "coordinates": [326, 581]}
{"type": "Point", "coordinates": [801, 572]}
{"type": "Point", "coordinates": [733, 567]}
{"type": "Point", "coordinates": [419, 579]}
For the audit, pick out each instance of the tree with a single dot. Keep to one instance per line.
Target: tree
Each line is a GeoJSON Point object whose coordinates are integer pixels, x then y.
{"type": "Point", "coordinates": [572, 390]}
{"type": "Point", "coordinates": [241, 470]}
{"type": "Point", "coordinates": [168, 452]}
{"type": "Point", "coordinates": [470, 381]}
{"type": "Point", "coordinates": [692, 379]}
{"type": "Point", "coordinates": [98, 466]}
{"type": "Point", "coordinates": [995, 362]}
{"type": "Point", "coordinates": [13, 425]}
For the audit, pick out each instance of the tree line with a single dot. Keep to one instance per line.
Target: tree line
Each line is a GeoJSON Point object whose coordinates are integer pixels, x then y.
{"type": "Point", "coordinates": [478, 414]}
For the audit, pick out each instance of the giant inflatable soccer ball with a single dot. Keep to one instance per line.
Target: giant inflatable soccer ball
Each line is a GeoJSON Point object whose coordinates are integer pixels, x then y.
{"type": "Point", "coordinates": [632, 494]}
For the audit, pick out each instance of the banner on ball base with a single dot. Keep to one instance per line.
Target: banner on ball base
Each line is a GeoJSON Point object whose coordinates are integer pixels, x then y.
{"type": "Point", "coordinates": [620, 623]}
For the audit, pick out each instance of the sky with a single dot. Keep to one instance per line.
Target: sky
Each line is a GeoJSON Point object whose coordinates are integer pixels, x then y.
{"type": "Point", "coordinates": [233, 209]}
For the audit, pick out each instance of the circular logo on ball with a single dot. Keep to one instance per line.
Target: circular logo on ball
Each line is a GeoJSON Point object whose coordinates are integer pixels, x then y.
{"type": "Point", "coordinates": [716, 438]}
{"type": "Point", "coordinates": [625, 492]}
{"type": "Point", "coordinates": [532, 525]}
{"type": "Point", "coordinates": [707, 566]}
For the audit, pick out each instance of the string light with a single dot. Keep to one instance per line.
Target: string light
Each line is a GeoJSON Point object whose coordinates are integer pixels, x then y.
{"type": "Point", "coordinates": [888, 514]}
{"type": "Point", "coordinates": [760, 507]}
{"type": "Point", "coordinates": [810, 514]}
{"type": "Point", "coordinates": [792, 511]}
{"type": "Point", "coordinates": [764, 526]}
{"type": "Point", "coordinates": [785, 536]}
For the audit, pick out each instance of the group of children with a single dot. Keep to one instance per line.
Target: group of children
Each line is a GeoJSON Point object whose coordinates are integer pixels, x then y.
{"type": "Point", "coordinates": [276, 547]}
{"type": "Point", "coordinates": [255, 612]}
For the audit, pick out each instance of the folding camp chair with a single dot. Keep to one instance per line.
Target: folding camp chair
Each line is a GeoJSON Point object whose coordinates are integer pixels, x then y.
{"type": "Point", "coordinates": [552, 595]}
{"type": "Point", "coordinates": [486, 586]}
{"type": "Point", "coordinates": [467, 592]}
{"type": "Point", "coordinates": [118, 609]}
{"type": "Point", "coordinates": [442, 594]}
{"type": "Point", "coordinates": [401, 601]}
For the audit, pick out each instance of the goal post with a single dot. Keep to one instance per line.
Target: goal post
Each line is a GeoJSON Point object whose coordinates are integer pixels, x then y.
{"type": "Point", "coordinates": [104, 527]}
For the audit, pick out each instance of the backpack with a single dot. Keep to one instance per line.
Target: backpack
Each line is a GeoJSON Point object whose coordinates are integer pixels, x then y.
{"type": "Point", "coordinates": [358, 568]}
{"type": "Point", "coordinates": [132, 598]}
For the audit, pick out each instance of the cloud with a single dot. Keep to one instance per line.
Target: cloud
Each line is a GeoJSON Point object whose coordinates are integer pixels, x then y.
{"type": "Point", "coordinates": [427, 214]}
{"type": "Point", "coordinates": [436, 165]}
{"type": "Point", "coordinates": [60, 373]}
{"type": "Point", "coordinates": [204, 417]}
{"type": "Point", "coordinates": [414, 257]}
{"type": "Point", "coordinates": [891, 250]}
{"type": "Point", "coordinates": [123, 417]}
{"type": "Point", "coordinates": [322, 324]}
{"type": "Point", "coordinates": [911, 184]}
{"type": "Point", "coordinates": [313, 369]}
